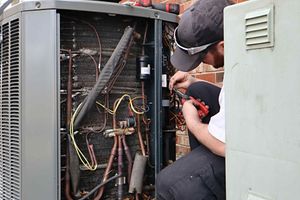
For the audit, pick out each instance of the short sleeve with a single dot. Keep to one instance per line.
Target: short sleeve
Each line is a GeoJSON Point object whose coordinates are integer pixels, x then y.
{"type": "Point", "coordinates": [216, 125]}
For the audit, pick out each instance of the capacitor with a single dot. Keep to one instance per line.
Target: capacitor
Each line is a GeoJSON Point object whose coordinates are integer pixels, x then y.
{"type": "Point", "coordinates": [144, 67]}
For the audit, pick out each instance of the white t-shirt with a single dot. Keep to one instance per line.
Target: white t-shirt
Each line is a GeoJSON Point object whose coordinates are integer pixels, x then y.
{"type": "Point", "coordinates": [216, 125]}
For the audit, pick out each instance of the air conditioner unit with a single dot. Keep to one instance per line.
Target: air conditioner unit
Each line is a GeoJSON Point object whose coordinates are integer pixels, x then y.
{"type": "Point", "coordinates": [40, 42]}
{"type": "Point", "coordinates": [262, 100]}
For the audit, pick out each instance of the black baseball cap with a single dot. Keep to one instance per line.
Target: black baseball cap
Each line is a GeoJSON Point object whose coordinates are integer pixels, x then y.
{"type": "Point", "coordinates": [199, 27]}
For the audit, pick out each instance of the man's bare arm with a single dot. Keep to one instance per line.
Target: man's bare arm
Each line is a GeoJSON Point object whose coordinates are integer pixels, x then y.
{"type": "Point", "coordinates": [200, 130]}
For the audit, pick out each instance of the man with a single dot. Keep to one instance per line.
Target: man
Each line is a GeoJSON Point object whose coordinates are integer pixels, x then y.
{"type": "Point", "coordinates": [200, 175]}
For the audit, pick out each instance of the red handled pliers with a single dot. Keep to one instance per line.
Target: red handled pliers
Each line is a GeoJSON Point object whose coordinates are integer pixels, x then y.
{"type": "Point", "coordinates": [203, 109]}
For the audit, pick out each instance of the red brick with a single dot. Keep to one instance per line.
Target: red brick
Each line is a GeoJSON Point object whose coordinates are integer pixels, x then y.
{"type": "Point", "coordinates": [211, 77]}
{"type": "Point", "coordinates": [219, 77]}
{"type": "Point", "coordinates": [182, 149]}
{"type": "Point", "coordinates": [185, 140]}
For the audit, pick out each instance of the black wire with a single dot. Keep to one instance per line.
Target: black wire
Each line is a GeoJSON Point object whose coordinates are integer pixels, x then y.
{"type": "Point", "coordinates": [98, 186]}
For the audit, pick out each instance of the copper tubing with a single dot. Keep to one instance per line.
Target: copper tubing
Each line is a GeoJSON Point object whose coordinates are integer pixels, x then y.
{"type": "Point", "coordinates": [69, 90]}
{"type": "Point", "coordinates": [67, 177]}
{"type": "Point", "coordinates": [143, 94]}
{"type": "Point", "coordinates": [110, 161]}
{"type": "Point", "coordinates": [137, 196]}
{"type": "Point", "coordinates": [129, 158]}
{"type": "Point", "coordinates": [90, 148]}
{"type": "Point", "coordinates": [98, 40]}
{"type": "Point", "coordinates": [69, 115]}
{"type": "Point", "coordinates": [94, 61]}
{"type": "Point", "coordinates": [105, 76]}
{"type": "Point", "coordinates": [144, 39]}
{"type": "Point", "coordinates": [98, 186]}
{"type": "Point", "coordinates": [140, 136]}
{"type": "Point", "coordinates": [120, 167]}
{"type": "Point", "coordinates": [120, 161]}
{"type": "Point", "coordinates": [99, 44]}
{"type": "Point", "coordinates": [147, 142]}
{"type": "Point", "coordinates": [139, 123]}
{"type": "Point", "coordinates": [108, 168]}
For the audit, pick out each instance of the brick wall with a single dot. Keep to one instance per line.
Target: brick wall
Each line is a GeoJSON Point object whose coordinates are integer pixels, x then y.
{"type": "Point", "coordinates": [205, 72]}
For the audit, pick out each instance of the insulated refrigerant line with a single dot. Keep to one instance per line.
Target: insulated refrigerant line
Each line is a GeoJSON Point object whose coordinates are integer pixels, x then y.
{"type": "Point", "coordinates": [105, 75]}
{"type": "Point", "coordinates": [98, 186]}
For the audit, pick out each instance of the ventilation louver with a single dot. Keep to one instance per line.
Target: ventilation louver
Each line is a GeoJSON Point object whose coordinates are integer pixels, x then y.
{"type": "Point", "coordinates": [259, 29]}
{"type": "Point", "coordinates": [10, 136]}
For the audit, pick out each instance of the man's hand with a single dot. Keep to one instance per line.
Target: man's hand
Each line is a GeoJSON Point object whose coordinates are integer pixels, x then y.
{"type": "Point", "coordinates": [200, 130]}
{"type": "Point", "coordinates": [189, 111]}
{"type": "Point", "coordinates": [181, 80]}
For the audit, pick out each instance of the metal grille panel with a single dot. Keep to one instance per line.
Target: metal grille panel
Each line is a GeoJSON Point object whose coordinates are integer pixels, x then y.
{"type": "Point", "coordinates": [10, 135]}
{"type": "Point", "coordinates": [259, 29]}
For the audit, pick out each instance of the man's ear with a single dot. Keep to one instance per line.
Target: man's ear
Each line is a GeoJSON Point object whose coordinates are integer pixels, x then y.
{"type": "Point", "coordinates": [221, 44]}
{"type": "Point", "coordinates": [220, 47]}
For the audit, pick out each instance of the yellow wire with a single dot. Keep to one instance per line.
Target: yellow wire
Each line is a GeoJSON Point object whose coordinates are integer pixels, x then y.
{"type": "Point", "coordinates": [79, 153]}
{"type": "Point", "coordinates": [118, 102]}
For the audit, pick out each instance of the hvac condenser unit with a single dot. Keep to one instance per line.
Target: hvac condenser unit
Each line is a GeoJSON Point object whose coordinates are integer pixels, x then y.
{"type": "Point", "coordinates": [262, 100]}
{"type": "Point", "coordinates": [52, 56]}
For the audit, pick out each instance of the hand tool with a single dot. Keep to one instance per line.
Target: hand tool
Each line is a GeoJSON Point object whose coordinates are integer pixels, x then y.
{"type": "Point", "coordinates": [203, 109]}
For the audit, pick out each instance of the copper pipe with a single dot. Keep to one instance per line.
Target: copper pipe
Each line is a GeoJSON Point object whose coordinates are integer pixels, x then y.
{"type": "Point", "coordinates": [108, 168]}
{"type": "Point", "coordinates": [99, 44]}
{"type": "Point", "coordinates": [98, 40]}
{"type": "Point", "coordinates": [120, 160]}
{"type": "Point", "coordinates": [69, 90]}
{"type": "Point", "coordinates": [144, 120]}
{"type": "Point", "coordinates": [147, 141]}
{"type": "Point", "coordinates": [140, 136]}
{"type": "Point", "coordinates": [67, 177]}
{"type": "Point", "coordinates": [137, 196]}
{"type": "Point", "coordinates": [129, 158]}
{"type": "Point", "coordinates": [144, 40]}
{"type": "Point", "coordinates": [143, 94]}
{"type": "Point", "coordinates": [98, 186]}
{"type": "Point", "coordinates": [120, 167]}
{"type": "Point", "coordinates": [69, 115]}
{"type": "Point", "coordinates": [110, 161]}
{"type": "Point", "coordinates": [94, 61]}
{"type": "Point", "coordinates": [90, 148]}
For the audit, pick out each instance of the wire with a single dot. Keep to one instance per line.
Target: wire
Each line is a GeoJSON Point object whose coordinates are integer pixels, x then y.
{"type": "Point", "coordinates": [98, 186]}
{"type": "Point", "coordinates": [179, 121]}
{"type": "Point", "coordinates": [144, 108]}
{"type": "Point", "coordinates": [118, 102]}
{"type": "Point", "coordinates": [80, 155]}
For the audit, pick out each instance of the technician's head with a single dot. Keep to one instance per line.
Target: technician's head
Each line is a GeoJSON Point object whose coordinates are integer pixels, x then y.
{"type": "Point", "coordinates": [199, 35]}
